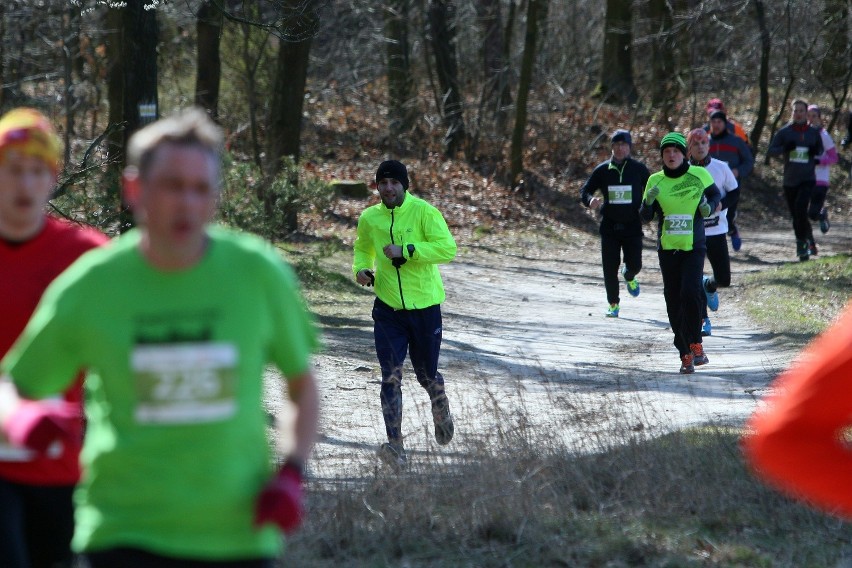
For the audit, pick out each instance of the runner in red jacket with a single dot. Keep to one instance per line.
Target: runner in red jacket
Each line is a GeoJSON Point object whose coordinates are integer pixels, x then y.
{"type": "Point", "coordinates": [36, 518]}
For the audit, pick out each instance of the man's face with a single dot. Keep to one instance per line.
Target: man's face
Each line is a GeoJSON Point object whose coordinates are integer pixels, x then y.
{"type": "Point", "coordinates": [800, 113]}
{"type": "Point", "coordinates": [391, 191]}
{"type": "Point", "coordinates": [814, 119]}
{"type": "Point", "coordinates": [177, 196]}
{"type": "Point", "coordinates": [620, 151]}
{"type": "Point", "coordinates": [699, 148]}
{"type": "Point", "coordinates": [26, 183]}
{"type": "Point", "coordinates": [717, 126]}
{"type": "Point", "coordinates": [672, 157]}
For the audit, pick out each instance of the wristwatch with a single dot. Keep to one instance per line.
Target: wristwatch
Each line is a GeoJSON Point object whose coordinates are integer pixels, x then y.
{"type": "Point", "coordinates": [410, 250]}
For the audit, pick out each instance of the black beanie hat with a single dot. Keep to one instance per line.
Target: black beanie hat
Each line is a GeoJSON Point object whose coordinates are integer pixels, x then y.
{"type": "Point", "coordinates": [621, 136]}
{"type": "Point", "coordinates": [719, 114]}
{"type": "Point", "coordinates": [394, 170]}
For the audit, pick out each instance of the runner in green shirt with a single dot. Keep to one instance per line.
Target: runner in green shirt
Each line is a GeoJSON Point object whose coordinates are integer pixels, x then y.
{"type": "Point", "coordinates": [680, 196]}
{"type": "Point", "coordinates": [175, 323]}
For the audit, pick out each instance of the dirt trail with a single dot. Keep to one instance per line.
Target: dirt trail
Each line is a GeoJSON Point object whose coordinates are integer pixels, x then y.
{"type": "Point", "coordinates": [525, 340]}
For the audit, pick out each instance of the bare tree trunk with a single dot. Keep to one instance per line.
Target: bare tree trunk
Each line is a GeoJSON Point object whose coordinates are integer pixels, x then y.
{"type": "Point", "coordinates": [70, 53]}
{"type": "Point", "coordinates": [763, 75]}
{"type": "Point", "coordinates": [132, 80]}
{"type": "Point", "coordinates": [664, 84]}
{"type": "Point", "coordinates": [617, 64]}
{"type": "Point", "coordinates": [208, 69]}
{"type": "Point", "coordinates": [516, 166]}
{"type": "Point", "coordinates": [442, 27]}
{"type": "Point", "coordinates": [495, 67]}
{"type": "Point", "coordinates": [284, 132]}
{"type": "Point", "coordinates": [400, 79]}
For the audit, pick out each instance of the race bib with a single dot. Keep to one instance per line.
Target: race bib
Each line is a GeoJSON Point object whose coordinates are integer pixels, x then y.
{"type": "Point", "coordinates": [678, 224]}
{"type": "Point", "coordinates": [620, 194]}
{"type": "Point", "coordinates": [800, 155]}
{"type": "Point", "coordinates": [711, 221]}
{"type": "Point", "coordinates": [184, 383]}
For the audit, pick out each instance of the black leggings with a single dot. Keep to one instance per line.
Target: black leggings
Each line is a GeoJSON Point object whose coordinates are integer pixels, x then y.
{"type": "Point", "coordinates": [611, 251]}
{"type": "Point", "coordinates": [798, 198]}
{"type": "Point", "coordinates": [682, 271]}
{"type": "Point", "coordinates": [36, 525]}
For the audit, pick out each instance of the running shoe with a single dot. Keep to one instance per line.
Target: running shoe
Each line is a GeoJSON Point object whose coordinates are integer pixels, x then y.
{"type": "Point", "coordinates": [803, 250]}
{"type": "Point", "coordinates": [736, 241]}
{"type": "Point", "coordinates": [706, 328]}
{"type": "Point", "coordinates": [393, 454]}
{"type": "Point", "coordinates": [712, 297]}
{"type": "Point", "coordinates": [698, 356]}
{"type": "Point", "coordinates": [612, 311]}
{"type": "Point", "coordinates": [824, 225]}
{"type": "Point", "coordinates": [632, 285]}
{"type": "Point", "coordinates": [686, 366]}
{"type": "Point", "coordinates": [443, 420]}
{"type": "Point", "coordinates": [812, 248]}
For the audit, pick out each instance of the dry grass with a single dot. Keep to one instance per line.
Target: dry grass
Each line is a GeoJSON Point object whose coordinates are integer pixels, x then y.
{"type": "Point", "coordinates": [523, 497]}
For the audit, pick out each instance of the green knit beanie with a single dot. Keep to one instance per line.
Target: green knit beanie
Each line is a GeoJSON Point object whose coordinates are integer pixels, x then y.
{"type": "Point", "coordinates": [675, 139]}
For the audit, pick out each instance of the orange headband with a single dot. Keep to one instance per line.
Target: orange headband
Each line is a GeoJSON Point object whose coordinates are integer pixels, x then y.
{"type": "Point", "coordinates": [31, 133]}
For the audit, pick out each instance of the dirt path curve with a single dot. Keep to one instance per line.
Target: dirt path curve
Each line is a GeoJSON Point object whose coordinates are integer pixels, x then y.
{"type": "Point", "coordinates": [526, 345]}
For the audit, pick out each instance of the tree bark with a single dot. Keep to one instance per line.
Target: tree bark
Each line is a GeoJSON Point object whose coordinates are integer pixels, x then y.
{"type": "Point", "coordinates": [617, 63]}
{"type": "Point", "coordinates": [763, 75]}
{"type": "Point", "coordinates": [516, 166]}
{"type": "Point", "coordinates": [498, 97]}
{"type": "Point", "coordinates": [441, 15]}
{"type": "Point", "coordinates": [400, 80]}
{"type": "Point", "coordinates": [664, 83]}
{"type": "Point", "coordinates": [132, 82]}
{"type": "Point", "coordinates": [284, 132]}
{"type": "Point", "coordinates": [209, 21]}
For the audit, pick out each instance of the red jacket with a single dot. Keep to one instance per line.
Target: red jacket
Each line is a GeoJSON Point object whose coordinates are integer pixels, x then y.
{"type": "Point", "coordinates": [26, 269]}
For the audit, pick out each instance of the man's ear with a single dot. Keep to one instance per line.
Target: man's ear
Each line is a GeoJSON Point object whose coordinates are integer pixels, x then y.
{"type": "Point", "coordinates": [130, 186]}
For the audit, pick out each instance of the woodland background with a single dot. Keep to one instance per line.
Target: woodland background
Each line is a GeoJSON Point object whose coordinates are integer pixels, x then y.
{"type": "Point", "coordinates": [507, 104]}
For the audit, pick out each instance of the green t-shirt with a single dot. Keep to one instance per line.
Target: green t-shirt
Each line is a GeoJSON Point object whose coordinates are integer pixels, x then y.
{"type": "Point", "coordinates": [678, 199]}
{"type": "Point", "coordinates": [175, 451]}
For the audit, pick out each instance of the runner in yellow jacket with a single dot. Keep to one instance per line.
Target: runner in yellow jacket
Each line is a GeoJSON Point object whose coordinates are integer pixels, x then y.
{"type": "Point", "coordinates": [399, 245]}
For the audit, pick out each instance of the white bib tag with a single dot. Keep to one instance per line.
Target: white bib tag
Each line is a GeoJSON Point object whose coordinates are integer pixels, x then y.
{"type": "Point", "coordinates": [678, 224]}
{"type": "Point", "coordinates": [184, 383]}
{"type": "Point", "coordinates": [620, 194]}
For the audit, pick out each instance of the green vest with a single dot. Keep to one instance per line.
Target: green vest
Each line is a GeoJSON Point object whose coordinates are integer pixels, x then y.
{"type": "Point", "coordinates": [679, 199]}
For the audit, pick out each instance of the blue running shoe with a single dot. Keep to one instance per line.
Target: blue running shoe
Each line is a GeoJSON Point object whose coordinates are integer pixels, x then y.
{"type": "Point", "coordinates": [712, 297]}
{"type": "Point", "coordinates": [612, 311]}
{"type": "Point", "coordinates": [736, 241]}
{"type": "Point", "coordinates": [706, 328]}
{"type": "Point", "coordinates": [632, 285]}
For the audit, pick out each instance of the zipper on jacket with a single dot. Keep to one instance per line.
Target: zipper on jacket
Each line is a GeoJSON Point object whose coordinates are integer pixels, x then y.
{"type": "Point", "coordinates": [398, 275]}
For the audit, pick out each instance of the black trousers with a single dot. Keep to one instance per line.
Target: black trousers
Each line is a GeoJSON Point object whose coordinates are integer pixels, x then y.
{"type": "Point", "coordinates": [397, 333]}
{"type": "Point", "coordinates": [36, 525]}
{"type": "Point", "coordinates": [817, 202]}
{"type": "Point", "coordinates": [682, 272]}
{"type": "Point", "coordinates": [720, 262]}
{"type": "Point", "coordinates": [612, 248]}
{"type": "Point", "coordinates": [798, 198]}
